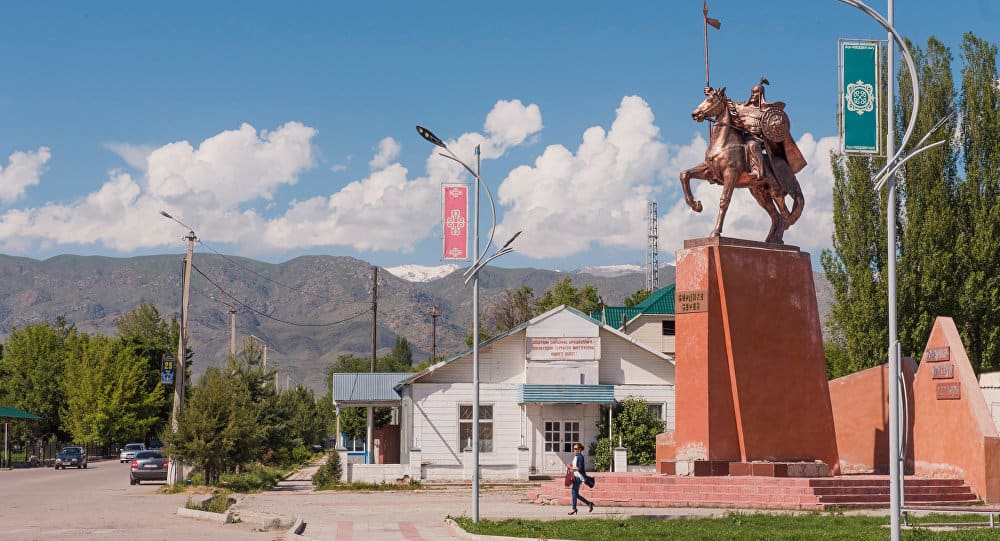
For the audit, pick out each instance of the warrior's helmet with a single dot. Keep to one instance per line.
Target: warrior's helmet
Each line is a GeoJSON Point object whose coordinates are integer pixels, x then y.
{"type": "Point", "coordinates": [757, 92]}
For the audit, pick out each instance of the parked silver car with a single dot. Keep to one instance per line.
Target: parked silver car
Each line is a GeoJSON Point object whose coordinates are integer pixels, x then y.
{"type": "Point", "coordinates": [71, 457]}
{"type": "Point", "coordinates": [148, 466]}
{"type": "Point", "coordinates": [129, 451]}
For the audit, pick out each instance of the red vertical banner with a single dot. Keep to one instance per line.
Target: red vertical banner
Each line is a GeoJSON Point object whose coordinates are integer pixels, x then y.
{"type": "Point", "coordinates": [455, 221]}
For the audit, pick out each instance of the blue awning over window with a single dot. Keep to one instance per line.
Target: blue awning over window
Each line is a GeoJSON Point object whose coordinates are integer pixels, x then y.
{"type": "Point", "coordinates": [565, 394]}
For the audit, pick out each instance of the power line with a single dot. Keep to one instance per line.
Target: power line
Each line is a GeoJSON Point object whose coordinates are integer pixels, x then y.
{"type": "Point", "coordinates": [268, 316]}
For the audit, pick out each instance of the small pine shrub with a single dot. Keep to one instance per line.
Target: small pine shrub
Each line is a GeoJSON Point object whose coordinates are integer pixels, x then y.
{"type": "Point", "coordinates": [330, 473]}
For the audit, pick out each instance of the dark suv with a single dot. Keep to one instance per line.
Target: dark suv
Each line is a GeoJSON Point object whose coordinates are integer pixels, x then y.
{"type": "Point", "coordinates": [71, 456]}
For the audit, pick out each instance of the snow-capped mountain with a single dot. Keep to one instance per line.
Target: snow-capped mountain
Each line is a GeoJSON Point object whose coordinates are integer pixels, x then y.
{"type": "Point", "coordinates": [609, 270]}
{"type": "Point", "coordinates": [422, 273]}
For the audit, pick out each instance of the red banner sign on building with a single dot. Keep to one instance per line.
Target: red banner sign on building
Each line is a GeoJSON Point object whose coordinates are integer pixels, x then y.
{"type": "Point", "coordinates": [455, 221]}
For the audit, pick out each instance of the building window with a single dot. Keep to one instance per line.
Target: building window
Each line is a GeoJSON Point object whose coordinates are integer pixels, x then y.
{"type": "Point", "coordinates": [561, 435]}
{"type": "Point", "coordinates": [657, 411]}
{"type": "Point", "coordinates": [485, 428]}
{"type": "Point", "coordinates": [668, 328]}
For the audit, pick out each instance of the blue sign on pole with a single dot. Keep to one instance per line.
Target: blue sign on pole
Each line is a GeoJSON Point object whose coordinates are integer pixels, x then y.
{"type": "Point", "coordinates": [167, 370]}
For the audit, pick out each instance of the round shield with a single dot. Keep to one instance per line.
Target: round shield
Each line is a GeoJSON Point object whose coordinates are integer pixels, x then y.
{"type": "Point", "coordinates": [775, 125]}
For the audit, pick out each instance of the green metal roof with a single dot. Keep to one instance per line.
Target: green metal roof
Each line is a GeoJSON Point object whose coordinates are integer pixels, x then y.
{"type": "Point", "coordinates": [565, 394]}
{"type": "Point", "coordinates": [660, 302]}
{"type": "Point", "coordinates": [7, 412]}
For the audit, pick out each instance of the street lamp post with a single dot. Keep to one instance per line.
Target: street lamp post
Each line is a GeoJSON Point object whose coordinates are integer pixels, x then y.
{"type": "Point", "coordinates": [473, 274]}
{"type": "Point", "coordinates": [886, 177]}
{"type": "Point", "coordinates": [176, 471]}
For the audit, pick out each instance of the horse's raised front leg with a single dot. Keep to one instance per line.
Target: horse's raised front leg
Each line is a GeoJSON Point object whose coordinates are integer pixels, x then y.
{"type": "Point", "coordinates": [699, 171]}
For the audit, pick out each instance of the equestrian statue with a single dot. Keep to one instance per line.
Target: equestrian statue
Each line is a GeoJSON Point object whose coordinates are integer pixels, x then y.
{"type": "Point", "coordinates": [750, 146]}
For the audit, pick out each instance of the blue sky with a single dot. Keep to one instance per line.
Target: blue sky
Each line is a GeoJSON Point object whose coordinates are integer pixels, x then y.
{"type": "Point", "coordinates": [284, 129]}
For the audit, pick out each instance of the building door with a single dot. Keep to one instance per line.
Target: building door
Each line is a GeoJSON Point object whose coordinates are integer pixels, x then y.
{"type": "Point", "coordinates": [560, 435]}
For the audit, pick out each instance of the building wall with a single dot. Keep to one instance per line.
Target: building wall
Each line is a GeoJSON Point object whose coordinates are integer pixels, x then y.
{"type": "Point", "coordinates": [649, 331]}
{"type": "Point", "coordinates": [499, 362]}
{"type": "Point", "coordinates": [622, 363]}
{"type": "Point", "coordinates": [992, 397]}
{"type": "Point", "coordinates": [435, 422]}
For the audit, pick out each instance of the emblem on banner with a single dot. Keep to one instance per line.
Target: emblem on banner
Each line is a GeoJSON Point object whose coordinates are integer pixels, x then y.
{"type": "Point", "coordinates": [860, 97]}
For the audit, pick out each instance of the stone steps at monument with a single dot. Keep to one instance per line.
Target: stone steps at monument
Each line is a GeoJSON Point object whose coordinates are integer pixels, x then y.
{"type": "Point", "coordinates": [652, 490]}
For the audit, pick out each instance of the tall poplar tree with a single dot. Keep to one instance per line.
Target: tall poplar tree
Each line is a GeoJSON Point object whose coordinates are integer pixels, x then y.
{"type": "Point", "coordinates": [979, 243]}
{"type": "Point", "coordinates": [928, 269]}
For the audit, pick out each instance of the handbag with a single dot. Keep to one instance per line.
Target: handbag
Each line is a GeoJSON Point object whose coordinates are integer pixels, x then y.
{"type": "Point", "coordinates": [569, 477]}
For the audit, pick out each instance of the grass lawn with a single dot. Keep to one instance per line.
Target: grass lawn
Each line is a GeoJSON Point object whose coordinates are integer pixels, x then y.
{"type": "Point", "coordinates": [757, 526]}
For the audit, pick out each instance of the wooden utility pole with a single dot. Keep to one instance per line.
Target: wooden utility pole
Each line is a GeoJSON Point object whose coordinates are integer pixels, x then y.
{"type": "Point", "coordinates": [374, 311]}
{"type": "Point", "coordinates": [177, 473]}
{"type": "Point", "coordinates": [232, 332]}
{"type": "Point", "coordinates": [434, 329]}
{"type": "Point", "coordinates": [370, 436]}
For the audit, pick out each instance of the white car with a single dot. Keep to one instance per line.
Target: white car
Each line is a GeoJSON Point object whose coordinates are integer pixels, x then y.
{"type": "Point", "coordinates": [129, 451]}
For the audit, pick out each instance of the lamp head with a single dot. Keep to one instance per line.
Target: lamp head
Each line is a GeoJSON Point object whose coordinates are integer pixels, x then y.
{"type": "Point", "coordinates": [429, 136]}
{"type": "Point", "coordinates": [165, 215]}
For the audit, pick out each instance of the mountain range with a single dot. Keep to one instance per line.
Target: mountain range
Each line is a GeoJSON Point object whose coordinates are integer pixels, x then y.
{"type": "Point", "coordinates": [309, 310]}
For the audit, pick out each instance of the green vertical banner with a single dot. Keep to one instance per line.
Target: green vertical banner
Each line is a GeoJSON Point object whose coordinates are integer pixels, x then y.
{"type": "Point", "coordinates": [860, 100]}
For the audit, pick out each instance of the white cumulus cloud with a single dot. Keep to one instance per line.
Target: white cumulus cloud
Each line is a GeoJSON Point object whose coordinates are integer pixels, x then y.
{"type": "Point", "coordinates": [388, 151]}
{"type": "Point", "coordinates": [388, 210]}
{"type": "Point", "coordinates": [569, 201]}
{"type": "Point", "coordinates": [206, 185]}
{"type": "Point", "coordinates": [23, 170]}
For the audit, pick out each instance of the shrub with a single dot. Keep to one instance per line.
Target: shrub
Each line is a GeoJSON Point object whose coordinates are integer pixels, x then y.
{"type": "Point", "coordinates": [635, 426]}
{"type": "Point", "coordinates": [330, 473]}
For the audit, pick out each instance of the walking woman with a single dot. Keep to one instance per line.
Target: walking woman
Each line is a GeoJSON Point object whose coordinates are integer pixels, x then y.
{"type": "Point", "coordinates": [579, 468]}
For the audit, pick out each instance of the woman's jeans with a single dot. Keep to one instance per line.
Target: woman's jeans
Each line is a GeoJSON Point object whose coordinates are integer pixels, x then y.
{"type": "Point", "coordinates": [576, 492]}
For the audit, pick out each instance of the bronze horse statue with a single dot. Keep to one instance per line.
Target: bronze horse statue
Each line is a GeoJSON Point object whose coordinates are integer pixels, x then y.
{"type": "Point", "coordinates": [726, 163]}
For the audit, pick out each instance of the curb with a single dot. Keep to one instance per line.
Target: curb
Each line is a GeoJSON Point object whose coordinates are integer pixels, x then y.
{"type": "Point", "coordinates": [460, 533]}
{"type": "Point", "coordinates": [222, 518]}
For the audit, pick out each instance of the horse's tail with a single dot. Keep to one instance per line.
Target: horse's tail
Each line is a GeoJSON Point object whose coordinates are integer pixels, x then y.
{"type": "Point", "coordinates": [798, 201]}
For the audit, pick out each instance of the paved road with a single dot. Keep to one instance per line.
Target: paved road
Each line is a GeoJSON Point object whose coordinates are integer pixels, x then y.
{"type": "Point", "coordinates": [99, 503]}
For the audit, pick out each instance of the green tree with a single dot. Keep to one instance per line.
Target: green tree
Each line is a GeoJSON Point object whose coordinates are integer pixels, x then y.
{"type": "Point", "coordinates": [400, 359]}
{"type": "Point", "coordinates": [637, 297]}
{"type": "Point", "coordinates": [585, 299]}
{"type": "Point", "coordinates": [928, 188]}
{"type": "Point", "coordinates": [216, 428]}
{"type": "Point", "coordinates": [106, 401]}
{"type": "Point", "coordinates": [979, 241]}
{"type": "Point", "coordinates": [150, 337]}
{"type": "Point", "coordinates": [31, 377]}
{"type": "Point", "coordinates": [635, 426]}
{"type": "Point", "coordinates": [511, 308]}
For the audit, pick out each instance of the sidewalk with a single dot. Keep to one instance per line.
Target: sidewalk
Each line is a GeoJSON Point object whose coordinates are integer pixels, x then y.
{"type": "Point", "coordinates": [413, 515]}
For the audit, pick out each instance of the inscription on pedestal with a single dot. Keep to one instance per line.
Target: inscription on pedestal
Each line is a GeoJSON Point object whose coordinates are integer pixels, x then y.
{"type": "Point", "coordinates": [942, 371]}
{"type": "Point", "coordinates": [949, 391]}
{"type": "Point", "coordinates": [934, 355]}
{"type": "Point", "coordinates": [689, 302]}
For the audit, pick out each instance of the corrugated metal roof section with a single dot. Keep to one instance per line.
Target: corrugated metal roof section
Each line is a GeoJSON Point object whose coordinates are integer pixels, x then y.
{"type": "Point", "coordinates": [367, 387]}
{"type": "Point", "coordinates": [660, 302]}
{"type": "Point", "coordinates": [565, 394]}
{"type": "Point", "coordinates": [613, 315]}
{"type": "Point", "coordinates": [10, 412]}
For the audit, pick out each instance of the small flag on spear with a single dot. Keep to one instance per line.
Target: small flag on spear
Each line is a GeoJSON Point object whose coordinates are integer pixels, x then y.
{"type": "Point", "coordinates": [714, 23]}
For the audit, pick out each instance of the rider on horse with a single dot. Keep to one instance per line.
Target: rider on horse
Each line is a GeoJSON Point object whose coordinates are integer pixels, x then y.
{"type": "Point", "coordinates": [767, 123]}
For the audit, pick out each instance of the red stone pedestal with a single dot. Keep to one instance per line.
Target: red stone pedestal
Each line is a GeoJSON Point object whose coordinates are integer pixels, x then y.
{"type": "Point", "coordinates": [751, 375]}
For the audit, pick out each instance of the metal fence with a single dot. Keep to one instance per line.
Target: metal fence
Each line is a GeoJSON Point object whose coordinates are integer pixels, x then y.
{"type": "Point", "coordinates": [39, 454]}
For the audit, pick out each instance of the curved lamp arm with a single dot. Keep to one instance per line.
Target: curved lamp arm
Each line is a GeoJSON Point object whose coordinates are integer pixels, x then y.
{"type": "Point", "coordinates": [909, 66]}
